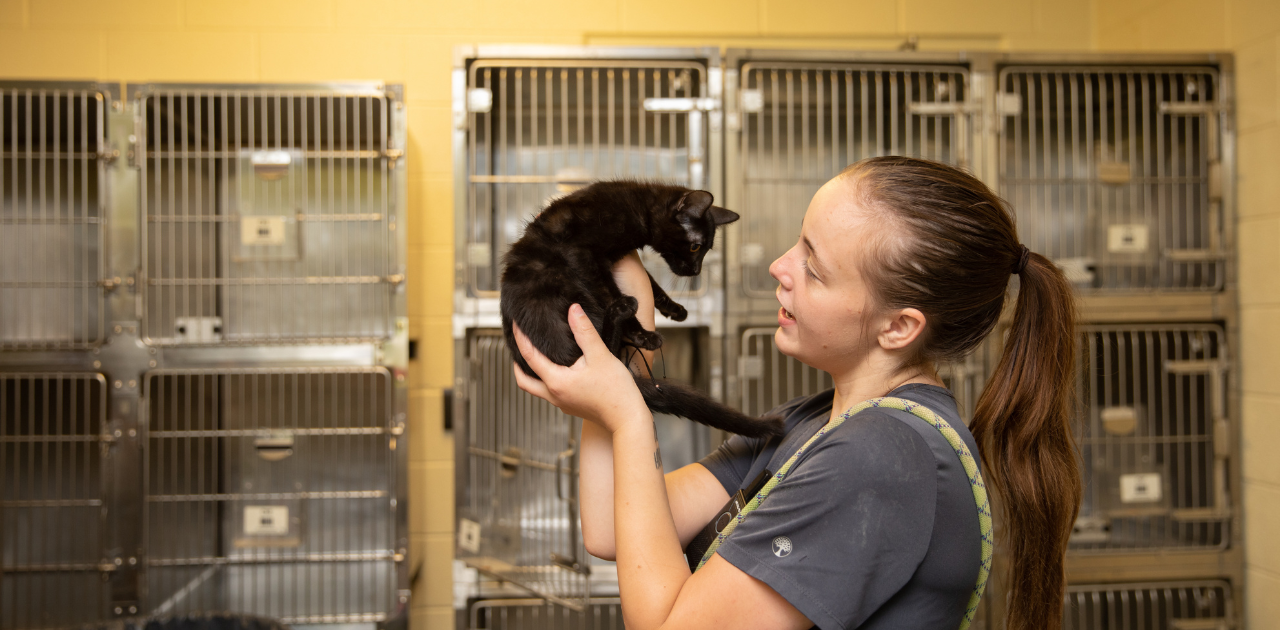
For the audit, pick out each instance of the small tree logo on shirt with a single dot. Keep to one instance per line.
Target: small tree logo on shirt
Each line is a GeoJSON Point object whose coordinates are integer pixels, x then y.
{"type": "Point", "coordinates": [782, 546]}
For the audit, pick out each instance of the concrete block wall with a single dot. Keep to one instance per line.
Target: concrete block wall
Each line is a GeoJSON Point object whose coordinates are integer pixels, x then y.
{"type": "Point", "coordinates": [411, 42]}
{"type": "Point", "coordinates": [1251, 30]}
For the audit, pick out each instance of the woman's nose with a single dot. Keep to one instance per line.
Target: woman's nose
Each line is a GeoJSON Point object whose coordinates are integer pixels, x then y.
{"type": "Point", "coordinates": [778, 271]}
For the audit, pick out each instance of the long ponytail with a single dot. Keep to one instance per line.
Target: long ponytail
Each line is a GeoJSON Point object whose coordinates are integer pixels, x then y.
{"type": "Point", "coordinates": [1022, 424]}
{"type": "Point", "coordinates": [950, 250]}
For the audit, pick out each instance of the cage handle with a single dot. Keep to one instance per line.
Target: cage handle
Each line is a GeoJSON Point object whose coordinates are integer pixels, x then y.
{"type": "Point", "coordinates": [563, 455]}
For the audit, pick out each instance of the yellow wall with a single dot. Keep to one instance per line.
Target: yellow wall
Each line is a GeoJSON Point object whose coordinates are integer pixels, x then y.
{"type": "Point", "coordinates": [1250, 29]}
{"type": "Point", "coordinates": [411, 41]}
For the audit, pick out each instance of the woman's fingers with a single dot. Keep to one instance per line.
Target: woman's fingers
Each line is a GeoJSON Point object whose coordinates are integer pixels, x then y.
{"type": "Point", "coordinates": [585, 333]}
{"type": "Point", "coordinates": [531, 384]}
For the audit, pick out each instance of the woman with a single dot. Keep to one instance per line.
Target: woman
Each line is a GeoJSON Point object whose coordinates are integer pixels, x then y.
{"type": "Point", "coordinates": [901, 264]}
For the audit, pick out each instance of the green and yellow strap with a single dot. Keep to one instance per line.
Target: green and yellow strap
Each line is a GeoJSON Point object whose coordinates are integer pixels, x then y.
{"type": "Point", "coordinates": [966, 460]}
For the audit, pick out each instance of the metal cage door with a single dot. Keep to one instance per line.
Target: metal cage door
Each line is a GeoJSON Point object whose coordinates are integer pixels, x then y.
{"type": "Point", "coordinates": [1116, 173]}
{"type": "Point", "coordinates": [52, 194]}
{"type": "Point", "coordinates": [517, 482]}
{"type": "Point", "coordinates": [1155, 439]}
{"type": "Point", "coordinates": [268, 214]}
{"type": "Point", "coordinates": [272, 492]}
{"type": "Point", "coordinates": [538, 129]}
{"type": "Point", "coordinates": [52, 486]}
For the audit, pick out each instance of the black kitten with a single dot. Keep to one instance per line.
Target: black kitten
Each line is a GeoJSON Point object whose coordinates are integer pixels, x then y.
{"type": "Point", "coordinates": [566, 256]}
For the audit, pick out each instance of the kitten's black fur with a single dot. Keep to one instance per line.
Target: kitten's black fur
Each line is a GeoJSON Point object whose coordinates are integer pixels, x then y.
{"type": "Point", "coordinates": [566, 256]}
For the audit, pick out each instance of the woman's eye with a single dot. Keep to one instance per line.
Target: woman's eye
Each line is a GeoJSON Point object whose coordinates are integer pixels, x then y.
{"type": "Point", "coordinates": [694, 247]}
{"type": "Point", "coordinates": [804, 264]}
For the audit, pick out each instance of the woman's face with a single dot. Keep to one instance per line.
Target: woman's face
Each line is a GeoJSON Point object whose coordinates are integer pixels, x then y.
{"type": "Point", "coordinates": [824, 300]}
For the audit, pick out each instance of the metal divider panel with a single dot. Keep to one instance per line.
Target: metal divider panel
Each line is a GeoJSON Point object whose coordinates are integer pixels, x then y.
{"type": "Point", "coordinates": [1114, 173]}
{"type": "Point", "coordinates": [51, 511]}
{"type": "Point", "coordinates": [541, 129]}
{"type": "Point", "coordinates": [271, 492]}
{"type": "Point", "coordinates": [1154, 437]}
{"type": "Point", "coordinates": [269, 215]}
{"type": "Point", "coordinates": [803, 123]}
{"type": "Point", "coordinates": [769, 378]}
{"type": "Point", "coordinates": [520, 481]}
{"type": "Point", "coordinates": [1149, 606]}
{"type": "Point", "coordinates": [536, 614]}
{"type": "Point", "coordinates": [51, 199]}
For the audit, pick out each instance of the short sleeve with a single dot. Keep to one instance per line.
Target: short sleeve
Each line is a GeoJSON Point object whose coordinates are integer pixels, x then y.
{"type": "Point", "coordinates": [731, 462]}
{"type": "Point", "coordinates": [848, 526]}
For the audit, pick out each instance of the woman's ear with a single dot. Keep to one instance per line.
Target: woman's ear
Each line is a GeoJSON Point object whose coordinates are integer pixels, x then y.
{"type": "Point", "coordinates": [902, 329]}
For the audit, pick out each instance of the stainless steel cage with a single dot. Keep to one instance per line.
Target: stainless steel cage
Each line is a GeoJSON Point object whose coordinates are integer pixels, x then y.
{"type": "Point", "coordinates": [52, 432]}
{"type": "Point", "coordinates": [1116, 172]}
{"type": "Point", "coordinates": [796, 121]}
{"type": "Point", "coordinates": [767, 378]}
{"type": "Point", "coordinates": [272, 492]}
{"type": "Point", "coordinates": [537, 128]}
{"type": "Point", "coordinates": [269, 215]}
{"type": "Point", "coordinates": [52, 190]}
{"type": "Point", "coordinates": [536, 614]}
{"type": "Point", "coordinates": [517, 481]}
{"type": "Point", "coordinates": [1155, 438]}
{"type": "Point", "coordinates": [1189, 605]}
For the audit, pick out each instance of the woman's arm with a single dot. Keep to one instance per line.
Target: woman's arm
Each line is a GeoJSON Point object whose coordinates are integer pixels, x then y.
{"type": "Point", "coordinates": [695, 493]}
{"type": "Point", "coordinates": [653, 578]}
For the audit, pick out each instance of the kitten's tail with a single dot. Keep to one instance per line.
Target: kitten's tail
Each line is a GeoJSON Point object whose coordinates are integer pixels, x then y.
{"type": "Point", "coordinates": [678, 400]}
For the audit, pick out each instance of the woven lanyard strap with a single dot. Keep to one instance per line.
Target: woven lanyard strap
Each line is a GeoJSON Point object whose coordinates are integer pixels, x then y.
{"type": "Point", "coordinates": [962, 451]}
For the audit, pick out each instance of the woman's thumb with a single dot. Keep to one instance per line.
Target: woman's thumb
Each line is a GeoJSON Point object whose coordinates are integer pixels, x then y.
{"type": "Point", "coordinates": [584, 332]}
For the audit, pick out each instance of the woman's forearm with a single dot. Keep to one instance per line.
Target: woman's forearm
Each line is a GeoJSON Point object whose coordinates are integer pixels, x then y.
{"type": "Point", "coordinates": [651, 565]}
{"type": "Point", "coordinates": [595, 485]}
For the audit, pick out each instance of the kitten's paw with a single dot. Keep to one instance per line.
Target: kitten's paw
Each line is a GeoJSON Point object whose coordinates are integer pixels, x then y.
{"type": "Point", "coordinates": [625, 306]}
{"type": "Point", "coordinates": [646, 340]}
{"type": "Point", "coordinates": [674, 312]}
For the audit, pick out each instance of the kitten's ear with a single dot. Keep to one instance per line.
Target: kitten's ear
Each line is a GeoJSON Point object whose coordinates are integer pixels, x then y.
{"type": "Point", "coordinates": [695, 203]}
{"type": "Point", "coordinates": [723, 216]}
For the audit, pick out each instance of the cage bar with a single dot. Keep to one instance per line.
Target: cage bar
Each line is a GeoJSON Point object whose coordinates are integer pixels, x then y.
{"type": "Point", "coordinates": [269, 215]}
{"type": "Point", "coordinates": [272, 492]}
{"type": "Point", "coordinates": [52, 190]}
{"type": "Point", "coordinates": [1206, 605]}
{"type": "Point", "coordinates": [1115, 173]}
{"type": "Point", "coordinates": [51, 499]}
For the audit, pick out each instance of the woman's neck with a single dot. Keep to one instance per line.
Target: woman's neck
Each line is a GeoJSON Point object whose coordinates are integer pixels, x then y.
{"type": "Point", "coordinates": [862, 384]}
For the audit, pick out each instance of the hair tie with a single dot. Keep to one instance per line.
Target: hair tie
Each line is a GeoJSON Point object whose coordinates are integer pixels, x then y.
{"type": "Point", "coordinates": [1023, 255]}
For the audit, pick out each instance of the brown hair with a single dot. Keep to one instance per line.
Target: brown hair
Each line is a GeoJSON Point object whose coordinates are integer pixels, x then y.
{"type": "Point", "coordinates": [951, 247]}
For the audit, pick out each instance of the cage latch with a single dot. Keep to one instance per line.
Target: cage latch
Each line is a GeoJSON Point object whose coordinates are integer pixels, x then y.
{"type": "Point", "coordinates": [680, 104]}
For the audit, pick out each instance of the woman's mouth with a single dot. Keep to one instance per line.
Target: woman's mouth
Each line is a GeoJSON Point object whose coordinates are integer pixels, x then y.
{"type": "Point", "coordinates": [784, 314]}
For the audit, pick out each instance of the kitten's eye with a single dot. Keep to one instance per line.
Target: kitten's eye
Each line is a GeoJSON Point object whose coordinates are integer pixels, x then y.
{"type": "Point", "coordinates": [694, 247]}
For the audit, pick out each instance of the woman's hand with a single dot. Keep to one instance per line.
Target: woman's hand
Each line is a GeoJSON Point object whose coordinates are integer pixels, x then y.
{"type": "Point", "coordinates": [597, 386]}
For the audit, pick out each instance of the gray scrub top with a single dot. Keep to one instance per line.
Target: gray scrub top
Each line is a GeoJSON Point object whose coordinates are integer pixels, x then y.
{"type": "Point", "coordinates": [874, 527]}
